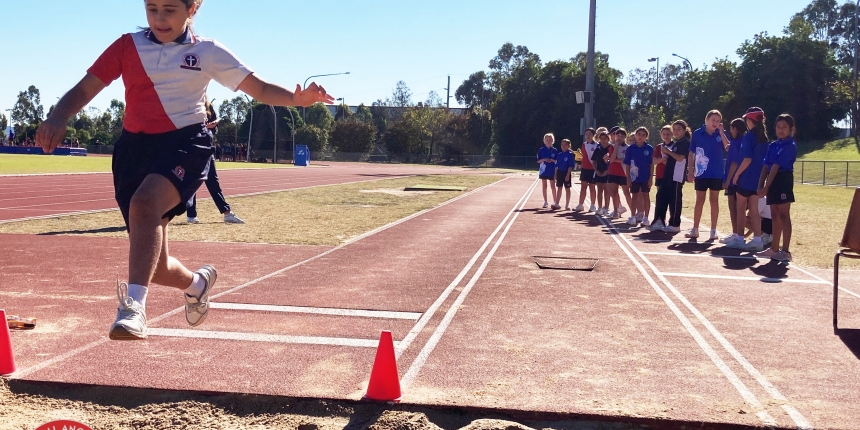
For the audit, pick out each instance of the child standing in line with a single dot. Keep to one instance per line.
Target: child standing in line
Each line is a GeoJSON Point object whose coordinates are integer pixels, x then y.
{"type": "Point", "coordinates": [705, 170]}
{"type": "Point", "coordinates": [676, 165]}
{"type": "Point", "coordinates": [161, 158]}
{"type": "Point", "coordinates": [546, 158]}
{"type": "Point", "coordinates": [617, 176]}
{"type": "Point", "coordinates": [777, 184]}
{"type": "Point", "coordinates": [600, 160]}
{"type": "Point", "coordinates": [753, 150]}
{"type": "Point", "coordinates": [586, 175]}
{"type": "Point", "coordinates": [660, 157]}
{"type": "Point", "coordinates": [564, 162]}
{"type": "Point", "coordinates": [737, 129]}
{"type": "Point", "coordinates": [638, 164]}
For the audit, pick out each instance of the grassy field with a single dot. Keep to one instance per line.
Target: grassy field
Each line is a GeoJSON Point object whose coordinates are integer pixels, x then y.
{"type": "Point", "coordinates": [14, 164]}
{"type": "Point", "coordinates": [325, 215]}
{"type": "Point", "coordinates": [840, 149]}
{"type": "Point", "coordinates": [818, 218]}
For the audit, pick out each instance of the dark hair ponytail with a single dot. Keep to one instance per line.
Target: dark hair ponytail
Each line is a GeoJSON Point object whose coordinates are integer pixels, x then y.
{"type": "Point", "coordinates": [687, 133]}
{"type": "Point", "coordinates": [740, 125]}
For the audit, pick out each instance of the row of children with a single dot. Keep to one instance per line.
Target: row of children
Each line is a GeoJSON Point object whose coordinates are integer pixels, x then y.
{"type": "Point", "coordinates": [744, 164]}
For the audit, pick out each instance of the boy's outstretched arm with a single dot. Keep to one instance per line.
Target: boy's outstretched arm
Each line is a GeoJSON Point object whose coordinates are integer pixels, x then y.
{"type": "Point", "coordinates": [52, 131]}
{"type": "Point", "coordinates": [277, 95]}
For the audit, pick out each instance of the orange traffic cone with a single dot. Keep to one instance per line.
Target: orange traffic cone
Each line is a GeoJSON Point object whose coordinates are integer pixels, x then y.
{"type": "Point", "coordinates": [384, 382]}
{"type": "Point", "coordinates": [7, 359]}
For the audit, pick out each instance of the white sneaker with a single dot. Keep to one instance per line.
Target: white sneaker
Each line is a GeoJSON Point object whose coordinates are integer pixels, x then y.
{"type": "Point", "coordinates": [737, 243]}
{"type": "Point", "coordinates": [621, 210]}
{"type": "Point", "coordinates": [656, 225]}
{"type": "Point", "coordinates": [193, 220]}
{"type": "Point", "coordinates": [693, 234]}
{"type": "Point", "coordinates": [729, 239]}
{"type": "Point", "coordinates": [766, 239]}
{"type": "Point", "coordinates": [632, 221]}
{"type": "Point", "coordinates": [231, 218]}
{"type": "Point", "coordinates": [645, 222]}
{"type": "Point", "coordinates": [545, 205]}
{"type": "Point", "coordinates": [130, 321]}
{"type": "Point", "coordinates": [754, 245]}
{"type": "Point", "coordinates": [567, 208]}
{"type": "Point", "coordinates": [783, 256]}
{"type": "Point", "coordinates": [672, 229]}
{"type": "Point", "coordinates": [196, 308]}
{"type": "Point", "coordinates": [592, 209]}
{"type": "Point", "coordinates": [714, 235]}
{"type": "Point", "coordinates": [580, 208]}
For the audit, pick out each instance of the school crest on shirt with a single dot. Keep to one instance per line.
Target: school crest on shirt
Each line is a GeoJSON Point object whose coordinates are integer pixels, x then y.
{"type": "Point", "coordinates": [191, 62]}
{"type": "Point", "coordinates": [179, 172]}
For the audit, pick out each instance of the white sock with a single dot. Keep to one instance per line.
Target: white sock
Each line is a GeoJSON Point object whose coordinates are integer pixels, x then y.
{"type": "Point", "coordinates": [196, 287]}
{"type": "Point", "coordinates": [713, 232]}
{"type": "Point", "coordinates": [138, 293]}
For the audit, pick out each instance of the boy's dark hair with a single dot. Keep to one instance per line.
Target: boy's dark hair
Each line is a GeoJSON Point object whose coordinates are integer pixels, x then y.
{"type": "Point", "coordinates": [591, 130]}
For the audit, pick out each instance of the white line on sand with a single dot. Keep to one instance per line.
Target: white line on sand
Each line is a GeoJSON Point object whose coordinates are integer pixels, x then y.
{"type": "Point", "coordinates": [321, 311]}
{"type": "Point", "coordinates": [259, 337]}
{"type": "Point", "coordinates": [739, 278]}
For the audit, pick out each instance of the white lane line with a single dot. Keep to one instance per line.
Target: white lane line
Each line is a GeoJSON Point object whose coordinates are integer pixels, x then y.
{"type": "Point", "coordinates": [28, 371]}
{"type": "Point", "coordinates": [825, 281]}
{"type": "Point", "coordinates": [738, 278]}
{"type": "Point", "coordinates": [407, 340]}
{"type": "Point", "coordinates": [258, 337]}
{"type": "Point", "coordinates": [683, 254]}
{"type": "Point", "coordinates": [422, 357]}
{"type": "Point", "coordinates": [320, 311]}
{"type": "Point", "coordinates": [795, 415]}
{"type": "Point", "coordinates": [733, 378]}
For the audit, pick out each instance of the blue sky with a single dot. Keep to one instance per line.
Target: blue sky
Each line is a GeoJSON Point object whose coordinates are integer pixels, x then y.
{"type": "Point", "coordinates": [51, 43]}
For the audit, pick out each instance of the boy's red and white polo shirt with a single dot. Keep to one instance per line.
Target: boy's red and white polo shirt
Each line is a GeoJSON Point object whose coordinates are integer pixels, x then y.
{"type": "Point", "coordinates": [165, 82]}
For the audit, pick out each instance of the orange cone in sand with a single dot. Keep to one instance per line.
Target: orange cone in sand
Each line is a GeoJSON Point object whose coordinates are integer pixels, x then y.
{"type": "Point", "coordinates": [384, 382]}
{"type": "Point", "coordinates": [7, 359]}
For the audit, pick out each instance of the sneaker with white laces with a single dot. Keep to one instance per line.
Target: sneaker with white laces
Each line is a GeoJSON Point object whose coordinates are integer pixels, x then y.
{"type": "Point", "coordinates": [580, 208]}
{"type": "Point", "coordinates": [592, 209]}
{"type": "Point", "coordinates": [632, 221]}
{"type": "Point", "coordinates": [231, 218]}
{"type": "Point", "coordinates": [754, 245]}
{"type": "Point", "coordinates": [545, 205]}
{"type": "Point", "coordinates": [737, 243]}
{"type": "Point", "coordinates": [645, 222]}
{"type": "Point", "coordinates": [567, 208]}
{"type": "Point", "coordinates": [729, 239]}
{"type": "Point", "coordinates": [671, 229]}
{"type": "Point", "coordinates": [693, 234]}
{"type": "Point", "coordinates": [656, 226]}
{"type": "Point", "coordinates": [196, 308]}
{"type": "Point", "coordinates": [783, 256]}
{"type": "Point", "coordinates": [193, 220]}
{"type": "Point", "coordinates": [767, 253]}
{"type": "Point", "coordinates": [714, 235]}
{"type": "Point", "coordinates": [130, 321]}
{"type": "Point", "coordinates": [621, 210]}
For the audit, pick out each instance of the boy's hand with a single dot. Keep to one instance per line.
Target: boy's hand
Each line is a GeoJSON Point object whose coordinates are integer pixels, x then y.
{"type": "Point", "coordinates": [312, 94]}
{"type": "Point", "coordinates": [50, 133]}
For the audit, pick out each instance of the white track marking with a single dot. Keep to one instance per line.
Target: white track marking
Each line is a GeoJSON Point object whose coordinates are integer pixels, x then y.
{"type": "Point", "coordinates": [428, 348]}
{"type": "Point", "coordinates": [738, 278]}
{"type": "Point", "coordinates": [795, 415]}
{"type": "Point", "coordinates": [320, 311]}
{"type": "Point", "coordinates": [683, 254]}
{"type": "Point", "coordinates": [407, 340]}
{"type": "Point", "coordinates": [258, 337]}
{"type": "Point", "coordinates": [30, 370]}
{"type": "Point", "coordinates": [825, 281]}
{"type": "Point", "coordinates": [733, 378]}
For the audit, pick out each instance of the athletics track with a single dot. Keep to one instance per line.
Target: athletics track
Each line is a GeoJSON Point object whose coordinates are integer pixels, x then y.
{"type": "Point", "coordinates": [664, 333]}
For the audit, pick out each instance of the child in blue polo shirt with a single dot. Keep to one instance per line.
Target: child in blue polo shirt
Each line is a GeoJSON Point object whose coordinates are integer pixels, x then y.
{"type": "Point", "coordinates": [705, 169]}
{"type": "Point", "coordinates": [746, 179]}
{"type": "Point", "coordinates": [777, 179]}
{"type": "Point", "coordinates": [564, 162]}
{"type": "Point", "coordinates": [638, 164]}
{"type": "Point", "coordinates": [546, 158]}
{"type": "Point", "coordinates": [737, 129]}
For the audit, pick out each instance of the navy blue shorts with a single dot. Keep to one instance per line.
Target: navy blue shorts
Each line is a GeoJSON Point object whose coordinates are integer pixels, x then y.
{"type": "Point", "coordinates": [615, 179]}
{"type": "Point", "coordinates": [182, 156]}
{"type": "Point", "coordinates": [586, 175]}
{"type": "Point", "coordinates": [782, 189]}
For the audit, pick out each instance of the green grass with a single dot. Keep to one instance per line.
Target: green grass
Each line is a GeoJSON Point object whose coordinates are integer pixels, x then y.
{"type": "Point", "coordinates": [14, 164]}
{"type": "Point", "coordinates": [840, 149]}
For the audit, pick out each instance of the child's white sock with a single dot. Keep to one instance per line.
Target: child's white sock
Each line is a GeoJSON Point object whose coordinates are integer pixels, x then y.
{"type": "Point", "coordinates": [713, 232]}
{"type": "Point", "coordinates": [138, 293]}
{"type": "Point", "coordinates": [196, 287]}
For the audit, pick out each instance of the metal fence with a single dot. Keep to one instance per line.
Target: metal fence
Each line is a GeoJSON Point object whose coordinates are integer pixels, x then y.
{"type": "Point", "coordinates": [844, 173]}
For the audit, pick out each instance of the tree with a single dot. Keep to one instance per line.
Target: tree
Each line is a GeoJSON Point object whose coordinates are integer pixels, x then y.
{"type": "Point", "coordinates": [396, 139]}
{"type": "Point", "coordinates": [314, 137]}
{"type": "Point", "coordinates": [402, 96]}
{"type": "Point", "coordinates": [342, 112]}
{"type": "Point", "coordinates": [710, 88]}
{"type": "Point", "coordinates": [352, 136]}
{"type": "Point", "coordinates": [364, 114]}
{"type": "Point", "coordinates": [475, 91]}
{"type": "Point", "coordinates": [823, 16]}
{"type": "Point", "coordinates": [28, 108]}
{"type": "Point", "coordinates": [319, 116]}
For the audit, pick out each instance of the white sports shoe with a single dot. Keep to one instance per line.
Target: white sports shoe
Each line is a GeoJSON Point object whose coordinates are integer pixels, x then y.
{"type": "Point", "coordinates": [545, 205]}
{"type": "Point", "coordinates": [632, 221]}
{"type": "Point", "coordinates": [196, 308]}
{"type": "Point", "coordinates": [766, 239]}
{"type": "Point", "coordinates": [693, 234]}
{"type": "Point", "coordinates": [130, 321]}
{"type": "Point", "coordinates": [729, 239]}
{"type": "Point", "coordinates": [672, 229]}
{"type": "Point", "coordinates": [737, 243]}
{"type": "Point", "coordinates": [754, 245]}
{"type": "Point", "coordinates": [193, 220]}
{"type": "Point", "coordinates": [231, 218]}
{"type": "Point", "coordinates": [656, 226]}
{"type": "Point", "coordinates": [579, 208]}
{"type": "Point", "coordinates": [592, 209]}
{"type": "Point", "coordinates": [645, 222]}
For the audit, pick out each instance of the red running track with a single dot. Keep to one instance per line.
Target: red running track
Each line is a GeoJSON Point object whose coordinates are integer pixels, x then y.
{"type": "Point", "coordinates": [38, 196]}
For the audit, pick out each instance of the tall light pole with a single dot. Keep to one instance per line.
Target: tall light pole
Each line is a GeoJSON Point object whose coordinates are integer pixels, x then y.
{"type": "Point", "coordinates": [275, 131]}
{"type": "Point", "coordinates": [687, 63]}
{"type": "Point", "coordinates": [250, 128]}
{"type": "Point", "coordinates": [657, 86]}
{"type": "Point", "coordinates": [854, 81]}
{"type": "Point", "coordinates": [304, 85]}
{"type": "Point", "coordinates": [343, 106]}
{"type": "Point", "coordinates": [589, 68]}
